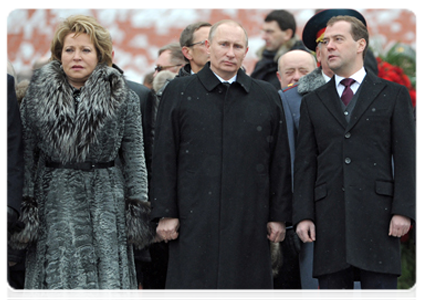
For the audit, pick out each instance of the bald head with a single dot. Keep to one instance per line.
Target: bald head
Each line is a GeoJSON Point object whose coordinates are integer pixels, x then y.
{"type": "Point", "coordinates": [293, 65]}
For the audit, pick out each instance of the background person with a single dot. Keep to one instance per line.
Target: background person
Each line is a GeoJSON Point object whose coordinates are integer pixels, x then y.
{"type": "Point", "coordinates": [279, 29]}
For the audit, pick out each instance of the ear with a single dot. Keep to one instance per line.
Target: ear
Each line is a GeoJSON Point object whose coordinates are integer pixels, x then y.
{"type": "Point", "coordinates": [207, 44]}
{"type": "Point", "coordinates": [186, 52]}
{"type": "Point", "coordinates": [289, 32]}
{"type": "Point", "coordinates": [361, 45]}
{"type": "Point", "coordinates": [318, 57]}
{"type": "Point", "coordinates": [279, 75]}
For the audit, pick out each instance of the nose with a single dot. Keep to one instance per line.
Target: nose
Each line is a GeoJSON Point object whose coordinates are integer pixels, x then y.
{"type": "Point", "coordinates": [77, 55]}
{"type": "Point", "coordinates": [297, 75]}
{"type": "Point", "coordinates": [230, 52]}
{"type": "Point", "coordinates": [330, 44]}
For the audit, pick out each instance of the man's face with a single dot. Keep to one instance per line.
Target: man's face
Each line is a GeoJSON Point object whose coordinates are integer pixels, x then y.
{"type": "Point", "coordinates": [293, 65]}
{"type": "Point", "coordinates": [344, 55]}
{"type": "Point", "coordinates": [274, 36]}
{"type": "Point", "coordinates": [227, 50]}
{"type": "Point", "coordinates": [164, 62]}
{"type": "Point", "coordinates": [322, 58]}
{"type": "Point", "coordinates": [197, 53]}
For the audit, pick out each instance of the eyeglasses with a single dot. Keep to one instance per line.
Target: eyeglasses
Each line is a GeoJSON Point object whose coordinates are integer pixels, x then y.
{"type": "Point", "coordinates": [198, 43]}
{"type": "Point", "coordinates": [161, 68]}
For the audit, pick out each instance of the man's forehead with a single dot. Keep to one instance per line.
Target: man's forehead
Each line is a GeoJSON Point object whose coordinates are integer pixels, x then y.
{"type": "Point", "coordinates": [339, 26]}
{"type": "Point", "coordinates": [230, 33]}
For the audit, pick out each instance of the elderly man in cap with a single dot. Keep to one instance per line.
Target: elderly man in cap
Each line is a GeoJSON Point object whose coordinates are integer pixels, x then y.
{"type": "Point", "coordinates": [291, 100]}
{"type": "Point", "coordinates": [354, 131]}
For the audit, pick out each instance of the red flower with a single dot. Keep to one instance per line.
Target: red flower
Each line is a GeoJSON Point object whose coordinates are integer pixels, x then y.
{"type": "Point", "coordinates": [396, 74]}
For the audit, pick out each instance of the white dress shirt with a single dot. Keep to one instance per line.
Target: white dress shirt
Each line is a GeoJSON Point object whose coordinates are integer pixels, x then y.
{"type": "Point", "coordinates": [358, 77]}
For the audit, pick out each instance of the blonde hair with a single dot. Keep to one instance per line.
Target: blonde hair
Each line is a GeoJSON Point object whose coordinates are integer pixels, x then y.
{"type": "Point", "coordinates": [79, 24]}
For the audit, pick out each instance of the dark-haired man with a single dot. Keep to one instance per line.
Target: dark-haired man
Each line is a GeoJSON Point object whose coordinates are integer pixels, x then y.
{"type": "Point", "coordinates": [354, 132]}
{"type": "Point", "coordinates": [279, 29]}
{"type": "Point", "coordinates": [192, 41]}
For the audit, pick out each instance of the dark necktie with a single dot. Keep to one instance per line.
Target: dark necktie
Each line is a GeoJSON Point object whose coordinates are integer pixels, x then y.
{"type": "Point", "coordinates": [347, 94]}
{"type": "Point", "coordinates": [226, 84]}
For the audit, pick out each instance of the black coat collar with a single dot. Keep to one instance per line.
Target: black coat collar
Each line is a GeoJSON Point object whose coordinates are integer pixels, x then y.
{"type": "Point", "coordinates": [210, 81]}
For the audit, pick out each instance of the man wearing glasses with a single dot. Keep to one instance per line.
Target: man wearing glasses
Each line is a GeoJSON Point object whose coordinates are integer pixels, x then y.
{"type": "Point", "coordinates": [170, 58]}
{"type": "Point", "coordinates": [192, 41]}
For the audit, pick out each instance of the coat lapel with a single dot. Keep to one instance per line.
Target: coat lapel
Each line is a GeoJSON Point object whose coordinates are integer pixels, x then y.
{"type": "Point", "coordinates": [370, 88]}
{"type": "Point", "coordinates": [329, 97]}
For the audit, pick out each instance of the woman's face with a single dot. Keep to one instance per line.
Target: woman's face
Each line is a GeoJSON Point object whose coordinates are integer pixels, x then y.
{"type": "Point", "coordinates": [79, 58]}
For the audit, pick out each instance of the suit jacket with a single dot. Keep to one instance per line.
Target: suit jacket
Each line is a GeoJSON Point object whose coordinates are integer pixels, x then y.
{"type": "Point", "coordinates": [14, 148]}
{"type": "Point", "coordinates": [344, 179]}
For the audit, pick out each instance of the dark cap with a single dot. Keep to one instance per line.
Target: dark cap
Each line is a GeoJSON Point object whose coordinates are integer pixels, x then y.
{"type": "Point", "coordinates": [317, 24]}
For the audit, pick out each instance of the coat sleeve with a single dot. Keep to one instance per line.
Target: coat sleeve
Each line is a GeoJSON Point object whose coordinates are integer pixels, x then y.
{"type": "Point", "coordinates": [139, 229]}
{"type": "Point", "coordinates": [280, 168]}
{"type": "Point", "coordinates": [165, 156]}
{"type": "Point", "coordinates": [305, 168]}
{"type": "Point", "coordinates": [14, 148]}
{"type": "Point", "coordinates": [404, 156]}
{"type": "Point", "coordinates": [290, 130]}
{"type": "Point", "coordinates": [29, 206]}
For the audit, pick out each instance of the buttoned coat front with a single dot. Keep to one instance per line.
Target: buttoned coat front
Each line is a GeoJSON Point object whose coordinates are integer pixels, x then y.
{"type": "Point", "coordinates": [221, 165]}
{"type": "Point", "coordinates": [351, 178]}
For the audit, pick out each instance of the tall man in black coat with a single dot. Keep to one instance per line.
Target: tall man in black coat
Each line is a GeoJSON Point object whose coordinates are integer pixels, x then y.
{"type": "Point", "coordinates": [221, 171]}
{"type": "Point", "coordinates": [14, 163]}
{"type": "Point", "coordinates": [354, 168]}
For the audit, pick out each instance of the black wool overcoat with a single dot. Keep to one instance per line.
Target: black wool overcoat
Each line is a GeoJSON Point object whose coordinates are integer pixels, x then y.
{"type": "Point", "coordinates": [221, 165]}
{"type": "Point", "coordinates": [351, 178]}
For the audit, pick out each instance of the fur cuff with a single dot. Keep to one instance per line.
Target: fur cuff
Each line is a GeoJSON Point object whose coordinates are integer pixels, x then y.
{"type": "Point", "coordinates": [276, 257]}
{"type": "Point", "coordinates": [140, 230]}
{"type": "Point", "coordinates": [29, 217]}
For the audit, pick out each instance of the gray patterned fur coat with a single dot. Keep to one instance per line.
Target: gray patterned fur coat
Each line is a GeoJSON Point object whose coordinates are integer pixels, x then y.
{"type": "Point", "coordinates": [80, 226]}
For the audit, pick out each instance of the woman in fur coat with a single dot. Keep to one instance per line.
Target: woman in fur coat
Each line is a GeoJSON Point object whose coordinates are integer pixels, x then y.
{"type": "Point", "coordinates": [85, 190]}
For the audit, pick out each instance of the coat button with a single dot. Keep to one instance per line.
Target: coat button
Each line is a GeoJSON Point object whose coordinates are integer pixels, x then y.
{"type": "Point", "coordinates": [347, 135]}
{"type": "Point", "coordinates": [347, 160]}
{"type": "Point", "coordinates": [346, 113]}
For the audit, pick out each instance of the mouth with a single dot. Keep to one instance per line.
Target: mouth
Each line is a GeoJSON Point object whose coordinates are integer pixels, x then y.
{"type": "Point", "coordinates": [228, 63]}
{"type": "Point", "coordinates": [330, 57]}
{"type": "Point", "coordinates": [77, 67]}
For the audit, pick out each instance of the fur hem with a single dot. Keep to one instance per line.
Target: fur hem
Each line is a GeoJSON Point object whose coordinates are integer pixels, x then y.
{"type": "Point", "coordinates": [29, 217]}
{"type": "Point", "coordinates": [140, 230]}
{"type": "Point", "coordinates": [276, 258]}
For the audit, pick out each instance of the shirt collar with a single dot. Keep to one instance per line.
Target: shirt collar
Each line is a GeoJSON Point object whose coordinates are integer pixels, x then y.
{"type": "Point", "coordinates": [358, 77]}
{"type": "Point", "coordinates": [232, 80]}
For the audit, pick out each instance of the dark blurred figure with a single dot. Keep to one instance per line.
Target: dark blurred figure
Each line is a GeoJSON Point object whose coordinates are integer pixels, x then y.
{"type": "Point", "coordinates": [16, 268]}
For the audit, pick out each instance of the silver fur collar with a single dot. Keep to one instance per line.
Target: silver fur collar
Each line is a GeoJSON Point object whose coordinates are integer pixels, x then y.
{"type": "Point", "coordinates": [50, 103]}
{"type": "Point", "coordinates": [311, 81]}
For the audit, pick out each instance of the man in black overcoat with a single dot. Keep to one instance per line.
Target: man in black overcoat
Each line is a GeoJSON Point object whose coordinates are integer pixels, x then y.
{"type": "Point", "coordinates": [354, 167]}
{"type": "Point", "coordinates": [221, 171]}
{"type": "Point", "coordinates": [14, 163]}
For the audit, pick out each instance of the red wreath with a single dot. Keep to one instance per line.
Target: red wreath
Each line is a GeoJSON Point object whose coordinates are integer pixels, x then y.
{"type": "Point", "coordinates": [396, 74]}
